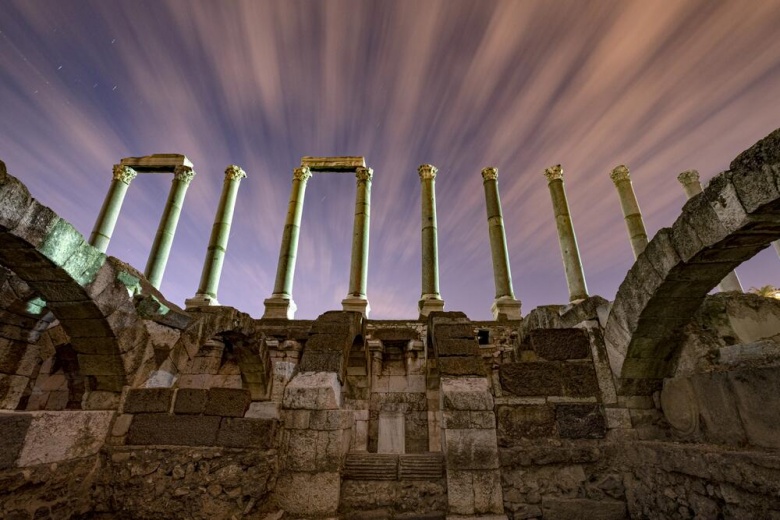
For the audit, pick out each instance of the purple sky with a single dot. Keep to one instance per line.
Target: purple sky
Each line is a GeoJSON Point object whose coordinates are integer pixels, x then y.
{"type": "Point", "coordinates": [661, 86]}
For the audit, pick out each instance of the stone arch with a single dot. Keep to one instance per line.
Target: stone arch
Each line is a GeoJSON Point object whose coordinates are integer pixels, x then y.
{"type": "Point", "coordinates": [736, 216]}
{"type": "Point", "coordinates": [78, 284]}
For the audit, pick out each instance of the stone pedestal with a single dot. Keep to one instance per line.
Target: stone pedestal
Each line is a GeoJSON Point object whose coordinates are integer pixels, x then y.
{"type": "Point", "coordinates": [429, 305]}
{"type": "Point", "coordinates": [279, 307]}
{"type": "Point", "coordinates": [506, 309]}
{"type": "Point", "coordinates": [355, 304]}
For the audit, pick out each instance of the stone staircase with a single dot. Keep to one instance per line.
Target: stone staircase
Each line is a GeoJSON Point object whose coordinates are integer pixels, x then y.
{"type": "Point", "coordinates": [385, 466]}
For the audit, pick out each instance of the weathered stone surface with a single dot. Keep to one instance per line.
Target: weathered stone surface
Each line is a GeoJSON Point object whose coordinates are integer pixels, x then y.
{"type": "Point", "coordinates": [452, 330]}
{"type": "Point", "coordinates": [580, 421]}
{"type": "Point", "coordinates": [174, 430]}
{"type": "Point", "coordinates": [313, 391]}
{"type": "Point", "coordinates": [579, 379]}
{"type": "Point", "coordinates": [325, 361]}
{"type": "Point", "coordinates": [315, 494]}
{"type": "Point", "coordinates": [516, 423]}
{"type": "Point", "coordinates": [466, 393]}
{"type": "Point", "coordinates": [578, 508]}
{"type": "Point", "coordinates": [457, 347]}
{"type": "Point", "coordinates": [247, 433]}
{"type": "Point", "coordinates": [58, 436]}
{"type": "Point", "coordinates": [411, 499]}
{"type": "Point", "coordinates": [190, 401]}
{"type": "Point", "coordinates": [148, 400]}
{"type": "Point", "coordinates": [228, 402]}
{"type": "Point", "coordinates": [14, 427]}
{"type": "Point", "coordinates": [679, 405]}
{"type": "Point", "coordinates": [716, 404]}
{"type": "Point", "coordinates": [560, 344]}
{"type": "Point", "coordinates": [756, 392]}
{"type": "Point", "coordinates": [461, 366]}
{"type": "Point", "coordinates": [531, 379]}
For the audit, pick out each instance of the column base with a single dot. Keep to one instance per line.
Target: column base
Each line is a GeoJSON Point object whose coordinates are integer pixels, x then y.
{"type": "Point", "coordinates": [505, 308]}
{"type": "Point", "coordinates": [354, 303]}
{"type": "Point", "coordinates": [428, 305]}
{"type": "Point", "coordinates": [280, 307]}
{"type": "Point", "coordinates": [201, 300]}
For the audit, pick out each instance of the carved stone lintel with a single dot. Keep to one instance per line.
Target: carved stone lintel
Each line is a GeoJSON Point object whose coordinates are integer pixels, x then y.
{"type": "Point", "coordinates": [489, 174]}
{"type": "Point", "coordinates": [688, 177]}
{"type": "Point", "coordinates": [553, 173]}
{"type": "Point", "coordinates": [427, 171]}
{"type": "Point", "coordinates": [124, 173]}
{"type": "Point", "coordinates": [620, 173]}
{"type": "Point", "coordinates": [183, 174]}
{"type": "Point", "coordinates": [302, 174]}
{"type": "Point", "coordinates": [364, 174]}
{"type": "Point", "coordinates": [234, 172]}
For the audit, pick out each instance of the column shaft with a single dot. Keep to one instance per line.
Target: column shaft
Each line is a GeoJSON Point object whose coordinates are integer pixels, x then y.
{"type": "Point", "coordinates": [220, 233]}
{"type": "Point", "coordinates": [430, 298]}
{"type": "Point", "coordinates": [633, 216]}
{"type": "Point", "coordinates": [689, 180]}
{"type": "Point", "coordinates": [109, 213]}
{"type": "Point", "coordinates": [358, 275]}
{"type": "Point", "coordinates": [575, 277]}
{"type": "Point", "coordinates": [161, 248]}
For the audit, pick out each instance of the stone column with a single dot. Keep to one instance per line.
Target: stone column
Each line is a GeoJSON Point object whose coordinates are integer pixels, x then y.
{"type": "Point", "coordinates": [220, 233]}
{"type": "Point", "coordinates": [281, 304]}
{"type": "Point", "coordinates": [104, 226]}
{"type": "Point", "coordinates": [505, 305]}
{"type": "Point", "coordinates": [575, 277]}
{"type": "Point", "coordinates": [356, 299]}
{"type": "Point", "coordinates": [161, 248]}
{"type": "Point", "coordinates": [692, 186]}
{"type": "Point", "coordinates": [430, 300]}
{"type": "Point", "coordinates": [634, 224]}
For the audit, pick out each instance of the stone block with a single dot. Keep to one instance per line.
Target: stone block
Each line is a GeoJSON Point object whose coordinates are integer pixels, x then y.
{"type": "Point", "coordinates": [457, 347]}
{"type": "Point", "coordinates": [11, 390]}
{"type": "Point", "coordinates": [461, 366]}
{"type": "Point", "coordinates": [488, 496]}
{"type": "Point", "coordinates": [580, 421]}
{"type": "Point", "coordinates": [578, 508]}
{"type": "Point", "coordinates": [326, 361]}
{"type": "Point", "coordinates": [515, 423]}
{"type": "Point", "coordinates": [296, 419]}
{"type": "Point", "coordinates": [263, 410]}
{"type": "Point", "coordinates": [471, 449]}
{"type": "Point", "coordinates": [560, 344]}
{"type": "Point", "coordinates": [392, 434]}
{"type": "Point", "coordinates": [617, 417]}
{"type": "Point", "coordinates": [177, 430]}
{"type": "Point", "coordinates": [757, 393]}
{"type": "Point", "coordinates": [228, 402]}
{"type": "Point", "coordinates": [14, 427]}
{"type": "Point", "coordinates": [313, 391]}
{"type": "Point", "coordinates": [247, 433]}
{"type": "Point", "coordinates": [531, 379]}
{"type": "Point", "coordinates": [301, 450]}
{"type": "Point", "coordinates": [58, 436]}
{"type": "Point", "coordinates": [579, 379]}
{"type": "Point", "coordinates": [679, 405]}
{"type": "Point", "coordinates": [308, 494]}
{"type": "Point", "coordinates": [148, 400]}
{"type": "Point", "coordinates": [469, 420]}
{"type": "Point", "coordinates": [331, 419]}
{"type": "Point", "coordinates": [460, 492]}
{"type": "Point", "coordinates": [191, 401]}
{"type": "Point", "coordinates": [466, 393]}
{"type": "Point", "coordinates": [452, 330]}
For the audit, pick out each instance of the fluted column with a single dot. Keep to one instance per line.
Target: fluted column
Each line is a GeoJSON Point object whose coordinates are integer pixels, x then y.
{"type": "Point", "coordinates": [281, 304]}
{"type": "Point", "coordinates": [356, 299]}
{"type": "Point", "coordinates": [692, 186]}
{"type": "Point", "coordinates": [505, 305]}
{"type": "Point", "coordinates": [430, 300]}
{"type": "Point", "coordinates": [161, 248]}
{"type": "Point", "coordinates": [109, 213]}
{"type": "Point", "coordinates": [633, 216]}
{"type": "Point", "coordinates": [220, 233]}
{"type": "Point", "coordinates": [575, 277]}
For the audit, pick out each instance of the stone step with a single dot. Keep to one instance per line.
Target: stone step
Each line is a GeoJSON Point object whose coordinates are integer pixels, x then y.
{"type": "Point", "coordinates": [383, 466]}
{"type": "Point", "coordinates": [421, 466]}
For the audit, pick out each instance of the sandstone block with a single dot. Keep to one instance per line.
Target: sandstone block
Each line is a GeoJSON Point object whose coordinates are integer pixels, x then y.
{"type": "Point", "coordinates": [191, 401]}
{"type": "Point", "coordinates": [452, 330]}
{"type": "Point", "coordinates": [228, 402]}
{"type": "Point", "coordinates": [756, 392]}
{"type": "Point", "coordinates": [331, 419]}
{"type": "Point", "coordinates": [148, 400]}
{"type": "Point", "coordinates": [460, 492]}
{"type": "Point", "coordinates": [580, 421]}
{"type": "Point", "coordinates": [488, 496]}
{"type": "Point", "coordinates": [325, 361]}
{"type": "Point", "coordinates": [247, 433]}
{"type": "Point", "coordinates": [524, 422]}
{"type": "Point", "coordinates": [457, 347]}
{"type": "Point", "coordinates": [461, 366]}
{"type": "Point", "coordinates": [469, 420]}
{"type": "Point", "coordinates": [466, 393]}
{"type": "Point", "coordinates": [177, 430]}
{"type": "Point", "coordinates": [579, 379]}
{"type": "Point", "coordinates": [560, 344]}
{"type": "Point", "coordinates": [59, 436]}
{"type": "Point", "coordinates": [313, 391]}
{"type": "Point", "coordinates": [14, 427]}
{"type": "Point", "coordinates": [471, 449]}
{"type": "Point", "coordinates": [717, 408]}
{"type": "Point", "coordinates": [578, 508]}
{"type": "Point", "coordinates": [531, 379]}
{"type": "Point", "coordinates": [312, 494]}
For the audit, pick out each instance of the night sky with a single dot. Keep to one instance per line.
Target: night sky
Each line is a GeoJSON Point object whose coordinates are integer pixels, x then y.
{"type": "Point", "coordinates": [659, 85]}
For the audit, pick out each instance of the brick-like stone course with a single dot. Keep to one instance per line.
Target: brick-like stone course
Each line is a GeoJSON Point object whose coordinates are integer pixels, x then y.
{"type": "Point", "coordinates": [148, 400]}
{"type": "Point", "coordinates": [560, 344]}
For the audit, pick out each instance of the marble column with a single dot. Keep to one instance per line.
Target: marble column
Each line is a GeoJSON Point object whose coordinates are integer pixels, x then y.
{"type": "Point", "coordinates": [430, 300]}
{"type": "Point", "coordinates": [505, 306]}
{"type": "Point", "coordinates": [161, 247]}
{"type": "Point", "coordinates": [281, 304]}
{"type": "Point", "coordinates": [356, 299]}
{"type": "Point", "coordinates": [220, 233]}
{"type": "Point", "coordinates": [633, 216]}
{"type": "Point", "coordinates": [575, 277]}
{"type": "Point", "coordinates": [692, 186]}
{"type": "Point", "coordinates": [104, 226]}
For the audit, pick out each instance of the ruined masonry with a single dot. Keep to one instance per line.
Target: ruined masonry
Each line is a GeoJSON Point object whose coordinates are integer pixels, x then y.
{"type": "Point", "coordinates": [664, 403]}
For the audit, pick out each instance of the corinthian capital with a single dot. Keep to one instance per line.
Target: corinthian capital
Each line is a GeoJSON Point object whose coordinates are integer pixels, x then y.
{"type": "Point", "coordinates": [427, 171]}
{"type": "Point", "coordinates": [620, 173]}
{"type": "Point", "coordinates": [688, 177]}
{"type": "Point", "coordinates": [234, 172]}
{"type": "Point", "coordinates": [302, 173]}
{"type": "Point", "coordinates": [364, 174]}
{"type": "Point", "coordinates": [124, 173]}
{"type": "Point", "coordinates": [183, 174]}
{"type": "Point", "coordinates": [553, 173]}
{"type": "Point", "coordinates": [489, 174]}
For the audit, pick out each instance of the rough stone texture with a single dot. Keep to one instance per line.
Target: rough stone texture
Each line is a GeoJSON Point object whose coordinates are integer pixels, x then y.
{"type": "Point", "coordinates": [531, 379]}
{"type": "Point", "coordinates": [393, 498]}
{"type": "Point", "coordinates": [461, 366]}
{"type": "Point", "coordinates": [560, 344]}
{"type": "Point", "coordinates": [228, 402]}
{"type": "Point", "coordinates": [471, 449]}
{"type": "Point", "coordinates": [517, 423]}
{"type": "Point", "coordinates": [191, 401]}
{"type": "Point", "coordinates": [466, 393]}
{"type": "Point", "coordinates": [247, 433]}
{"type": "Point", "coordinates": [175, 430]}
{"type": "Point", "coordinates": [148, 400]}
{"type": "Point", "coordinates": [579, 421]}
{"type": "Point", "coordinates": [313, 391]}
{"type": "Point", "coordinates": [577, 508]}
{"type": "Point", "coordinates": [314, 494]}
{"type": "Point", "coordinates": [58, 436]}
{"type": "Point", "coordinates": [457, 346]}
{"type": "Point", "coordinates": [14, 427]}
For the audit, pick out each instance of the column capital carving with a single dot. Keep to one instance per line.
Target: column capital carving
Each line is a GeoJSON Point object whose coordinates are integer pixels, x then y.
{"type": "Point", "coordinates": [302, 173]}
{"type": "Point", "coordinates": [124, 173]}
{"type": "Point", "coordinates": [489, 174]}
{"type": "Point", "coordinates": [183, 174]}
{"type": "Point", "coordinates": [554, 173]}
{"type": "Point", "coordinates": [234, 172]}
{"type": "Point", "coordinates": [688, 177]}
{"type": "Point", "coordinates": [620, 173]}
{"type": "Point", "coordinates": [427, 171]}
{"type": "Point", "coordinates": [364, 174]}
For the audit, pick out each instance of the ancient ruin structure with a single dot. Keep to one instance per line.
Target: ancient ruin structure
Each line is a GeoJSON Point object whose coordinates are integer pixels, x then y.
{"type": "Point", "coordinates": [664, 403]}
